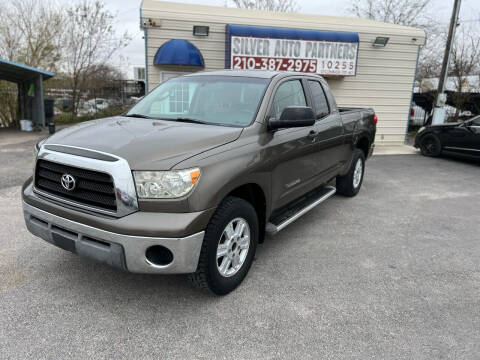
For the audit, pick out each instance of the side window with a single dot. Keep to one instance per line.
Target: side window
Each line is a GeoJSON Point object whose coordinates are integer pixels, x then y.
{"type": "Point", "coordinates": [290, 93]}
{"type": "Point", "coordinates": [319, 99]}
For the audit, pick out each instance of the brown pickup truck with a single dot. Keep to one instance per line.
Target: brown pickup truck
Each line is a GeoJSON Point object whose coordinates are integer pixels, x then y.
{"type": "Point", "coordinates": [195, 175]}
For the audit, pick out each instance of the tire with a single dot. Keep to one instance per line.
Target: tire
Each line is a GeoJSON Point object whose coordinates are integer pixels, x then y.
{"type": "Point", "coordinates": [430, 146]}
{"type": "Point", "coordinates": [236, 212]}
{"type": "Point", "coordinates": [350, 184]}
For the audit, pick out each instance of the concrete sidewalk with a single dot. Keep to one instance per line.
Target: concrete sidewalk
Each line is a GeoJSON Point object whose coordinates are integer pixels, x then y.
{"type": "Point", "coordinates": [395, 150]}
{"type": "Point", "coordinates": [13, 136]}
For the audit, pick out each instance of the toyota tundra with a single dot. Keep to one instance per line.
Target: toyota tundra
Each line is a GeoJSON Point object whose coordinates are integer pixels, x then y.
{"type": "Point", "coordinates": [197, 173]}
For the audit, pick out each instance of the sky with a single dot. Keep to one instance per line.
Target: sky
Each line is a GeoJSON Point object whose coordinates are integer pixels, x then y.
{"type": "Point", "coordinates": [127, 12]}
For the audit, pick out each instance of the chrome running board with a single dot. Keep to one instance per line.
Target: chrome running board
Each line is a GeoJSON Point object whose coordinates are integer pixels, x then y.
{"type": "Point", "coordinates": [299, 208]}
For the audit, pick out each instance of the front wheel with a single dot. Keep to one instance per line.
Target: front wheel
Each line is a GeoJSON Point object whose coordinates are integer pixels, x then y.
{"type": "Point", "coordinates": [228, 247]}
{"type": "Point", "coordinates": [430, 146]}
{"type": "Point", "coordinates": [350, 184]}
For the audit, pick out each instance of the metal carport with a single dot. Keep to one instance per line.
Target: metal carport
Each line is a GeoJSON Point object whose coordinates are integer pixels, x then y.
{"type": "Point", "coordinates": [30, 89]}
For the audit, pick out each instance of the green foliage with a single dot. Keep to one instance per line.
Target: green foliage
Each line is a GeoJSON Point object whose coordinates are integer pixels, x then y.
{"type": "Point", "coordinates": [8, 104]}
{"type": "Point", "coordinates": [70, 118]}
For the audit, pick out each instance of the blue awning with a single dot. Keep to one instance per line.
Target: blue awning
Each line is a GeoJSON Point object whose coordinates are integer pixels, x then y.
{"type": "Point", "coordinates": [287, 33]}
{"type": "Point", "coordinates": [178, 52]}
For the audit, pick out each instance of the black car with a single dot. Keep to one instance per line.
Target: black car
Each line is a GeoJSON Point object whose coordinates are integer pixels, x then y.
{"type": "Point", "coordinates": [455, 139]}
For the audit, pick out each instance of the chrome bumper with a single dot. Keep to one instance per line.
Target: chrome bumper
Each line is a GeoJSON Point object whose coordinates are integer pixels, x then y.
{"type": "Point", "coordinates": [122, 251]}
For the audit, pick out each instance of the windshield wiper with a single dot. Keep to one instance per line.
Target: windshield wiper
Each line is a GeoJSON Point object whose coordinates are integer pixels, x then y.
{"type": "Point", "coordinates": [190, 120]}
{"type": "Point", "coordinates": [139, 116]}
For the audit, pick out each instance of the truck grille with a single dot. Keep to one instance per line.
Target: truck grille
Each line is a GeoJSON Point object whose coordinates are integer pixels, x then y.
{"type": "Point", "coordinates": [91, 188]}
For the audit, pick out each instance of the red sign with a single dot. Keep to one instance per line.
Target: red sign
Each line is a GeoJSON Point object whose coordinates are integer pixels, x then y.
{"type": "Point", "coordinates": [276, 64]}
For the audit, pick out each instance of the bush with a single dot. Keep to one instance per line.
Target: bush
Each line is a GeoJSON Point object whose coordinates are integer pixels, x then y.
{"type": "Point", "coordinates": [70, 118]}
{"type": "Point", "coordinates": [8, 105]}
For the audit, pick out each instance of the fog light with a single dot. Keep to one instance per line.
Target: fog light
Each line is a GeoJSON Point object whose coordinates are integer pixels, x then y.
{"type": "Point", "coordinates": [158, 255]}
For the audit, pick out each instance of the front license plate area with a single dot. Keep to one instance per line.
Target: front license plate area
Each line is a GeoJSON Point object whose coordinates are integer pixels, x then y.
{"type": "Point", "coordinates": [64, 242]}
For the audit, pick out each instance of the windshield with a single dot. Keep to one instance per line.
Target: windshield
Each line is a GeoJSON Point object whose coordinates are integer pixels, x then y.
{"type": "Point", "coordinates": [217, 100]}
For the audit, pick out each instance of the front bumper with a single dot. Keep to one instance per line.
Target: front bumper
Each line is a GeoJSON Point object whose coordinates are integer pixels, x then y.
{"type": "Point", "coordinates": [119, 250]}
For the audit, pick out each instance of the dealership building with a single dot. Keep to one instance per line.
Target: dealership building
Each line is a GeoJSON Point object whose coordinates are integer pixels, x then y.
{"type": "Point", "coordinates": [366, 63]}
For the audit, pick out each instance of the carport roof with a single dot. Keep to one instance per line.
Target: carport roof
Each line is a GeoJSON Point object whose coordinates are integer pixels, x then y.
{"type": "Point", "coordinates": [12, 71]}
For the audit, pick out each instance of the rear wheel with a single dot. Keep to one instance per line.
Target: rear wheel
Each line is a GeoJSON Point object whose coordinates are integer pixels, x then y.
{"type": "Point", "coordinates": [350, 184]}
{"type": "Point", "coordinates": [228, 247]}
{"type": "Point", "coordinates": [430, 146]}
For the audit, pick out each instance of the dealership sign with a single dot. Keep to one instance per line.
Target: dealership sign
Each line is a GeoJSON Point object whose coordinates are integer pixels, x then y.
{"type": "Point", "coordinates": [306, 51]}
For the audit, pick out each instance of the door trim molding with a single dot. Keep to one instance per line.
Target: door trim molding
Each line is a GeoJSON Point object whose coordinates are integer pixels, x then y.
{"type": "Point", "coordinates": [459, 148]}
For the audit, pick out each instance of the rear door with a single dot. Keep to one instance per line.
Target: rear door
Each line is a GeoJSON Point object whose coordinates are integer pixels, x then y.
{"type": "Point", "coordinates": [329, 130]}
{"type": "Point", "coordinates": [472, 145]}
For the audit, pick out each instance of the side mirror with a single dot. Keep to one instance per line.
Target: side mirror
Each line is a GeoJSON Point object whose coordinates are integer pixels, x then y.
{"type": "Point", "coordinates": [293, 116]}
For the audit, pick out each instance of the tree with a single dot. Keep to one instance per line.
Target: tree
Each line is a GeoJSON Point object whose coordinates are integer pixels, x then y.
{"type": "Point", "coordinates": [409, 13]}
{"type": "Point", "coordinates": [90, 42]}
{"type": "Point", "coordinates": [29, 32]}
{"type": "Point", "coordinates": [431, 55]}
{"type": "Point", "coordinates": [402, 12]}
{"type": "Point", "coordinates": [465, 61]}
{"type": "Point", "coordinates": [8, 103]}
{"type": "Point", "coordinates": [270, 5]}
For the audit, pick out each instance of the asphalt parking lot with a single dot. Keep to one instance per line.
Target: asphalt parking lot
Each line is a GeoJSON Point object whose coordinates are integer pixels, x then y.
{"type": "Point", "coordinates": [390, 274]}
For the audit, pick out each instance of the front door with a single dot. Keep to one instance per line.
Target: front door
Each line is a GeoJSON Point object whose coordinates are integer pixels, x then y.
{"type": "Point", "coordinates": [465, 138]}
{"type": "Point", "coordinates": [292, 151]}
{"type": "Point", "coordinates": [473, 139]}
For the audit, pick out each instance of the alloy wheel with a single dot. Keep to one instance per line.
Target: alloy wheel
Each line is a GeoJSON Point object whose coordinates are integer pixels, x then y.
{"type": "Point", "coordinates": [357, 173]}
{"type": "Point", "coordinates": [233, 245]}
{"type": "Point", "coordinates": [429, 146]}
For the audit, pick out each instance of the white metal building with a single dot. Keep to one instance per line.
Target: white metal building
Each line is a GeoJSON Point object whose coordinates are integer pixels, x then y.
{"type": "Point", "coordinates": [366, 63]}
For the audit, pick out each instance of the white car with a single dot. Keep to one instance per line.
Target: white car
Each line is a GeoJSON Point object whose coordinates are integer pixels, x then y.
{"type": "Point", "coordinates": [97, 103]}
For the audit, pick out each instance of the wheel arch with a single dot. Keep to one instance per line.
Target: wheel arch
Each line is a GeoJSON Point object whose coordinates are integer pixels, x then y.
{"type": "Point", "coordinates": [254, 194]}
{"type": "Point", "coordinates": [363, 143]}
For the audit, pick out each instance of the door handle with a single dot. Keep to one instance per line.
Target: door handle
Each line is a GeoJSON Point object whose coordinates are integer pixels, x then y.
{"type": "Point", "coordinates": [312, 134]}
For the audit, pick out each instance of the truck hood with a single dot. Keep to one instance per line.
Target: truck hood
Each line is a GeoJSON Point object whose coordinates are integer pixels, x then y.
{"type": "Point", "coordinates": [146, 144]}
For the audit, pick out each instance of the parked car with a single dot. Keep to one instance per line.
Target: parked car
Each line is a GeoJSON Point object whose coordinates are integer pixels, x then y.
{"type": "Point", "coordinates": [196, 173]}
{"type": "Point", "coordinates": [461, 139]}
{"type": "Point", "coordinates": [97, 103]}
{"type": "Point", "coordinates": [64, 104]}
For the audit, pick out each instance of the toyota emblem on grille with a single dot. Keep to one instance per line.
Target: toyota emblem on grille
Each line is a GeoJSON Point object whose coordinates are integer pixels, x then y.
{"type": "Point", "coordinates": [68, 182]}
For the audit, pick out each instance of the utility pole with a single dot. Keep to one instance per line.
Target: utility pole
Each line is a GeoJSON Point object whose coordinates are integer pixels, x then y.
{"type": "Point", "coordinates": [439, 110]}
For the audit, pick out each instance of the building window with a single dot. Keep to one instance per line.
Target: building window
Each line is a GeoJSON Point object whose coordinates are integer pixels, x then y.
{"type": "Point", "coordinates": [179, 98]}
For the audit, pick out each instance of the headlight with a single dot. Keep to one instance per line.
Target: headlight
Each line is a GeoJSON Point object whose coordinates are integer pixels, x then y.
{"type": "Point", "coordinates": [36, 149]}
{"type": "Point", "coordinates": [38, 145]}
{"type": "Point", "coordinates": [165, 184]}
